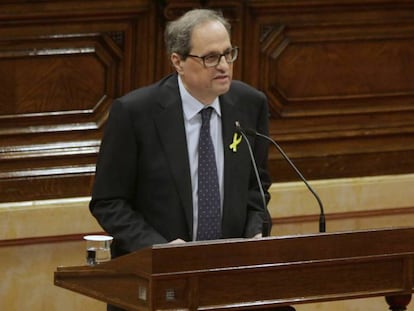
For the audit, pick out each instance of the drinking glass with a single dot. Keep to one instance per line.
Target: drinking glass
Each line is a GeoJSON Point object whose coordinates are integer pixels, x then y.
{"type": "Point", "coordinates": [98, 248]}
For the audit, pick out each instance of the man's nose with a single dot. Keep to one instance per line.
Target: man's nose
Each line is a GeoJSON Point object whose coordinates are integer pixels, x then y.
{"type": "Point", "coordinates": [222, 62]}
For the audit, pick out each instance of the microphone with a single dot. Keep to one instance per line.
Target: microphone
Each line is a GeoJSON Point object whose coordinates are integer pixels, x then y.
{"type": "Point", "coordinates": [265, 225]}
{"type": "Point", "coordinates": [243, 132]}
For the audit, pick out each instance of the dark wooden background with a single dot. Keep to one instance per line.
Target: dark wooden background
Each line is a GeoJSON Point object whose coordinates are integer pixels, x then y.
{"type": "Point", "coordinates": [339, 75]}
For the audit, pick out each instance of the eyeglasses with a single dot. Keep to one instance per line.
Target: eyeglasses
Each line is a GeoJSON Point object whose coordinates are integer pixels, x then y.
{"type": "Point", "coordinates": [212, 60]}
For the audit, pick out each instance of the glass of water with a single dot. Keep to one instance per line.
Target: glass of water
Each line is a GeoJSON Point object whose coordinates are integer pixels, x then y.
{"type": "Point", "coordinates": [98, 248]}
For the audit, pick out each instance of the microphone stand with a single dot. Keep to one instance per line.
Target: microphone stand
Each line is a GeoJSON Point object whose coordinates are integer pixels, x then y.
{"type": "Point", "coordinates": [265, 226]}
{"type": "Point", "coordinates": [322, 222]}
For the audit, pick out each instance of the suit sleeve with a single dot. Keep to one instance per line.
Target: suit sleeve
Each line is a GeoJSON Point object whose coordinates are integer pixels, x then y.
{"type": "Point", "coordinates": [115, 188]}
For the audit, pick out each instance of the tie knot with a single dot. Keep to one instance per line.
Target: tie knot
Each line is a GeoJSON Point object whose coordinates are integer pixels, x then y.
{"type": "Point", "coordinates": [206, 114]}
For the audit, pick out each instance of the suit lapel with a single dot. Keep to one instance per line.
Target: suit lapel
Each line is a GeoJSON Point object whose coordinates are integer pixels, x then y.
{"type": "Point", "coordinates": [170, 124]}
{"type": "Point", "coordinates": [230, 114]}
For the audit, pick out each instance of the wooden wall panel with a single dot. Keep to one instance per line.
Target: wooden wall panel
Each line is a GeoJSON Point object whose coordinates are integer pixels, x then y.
{"type": "Point", "coordinates": [338, 75]}
{"type": "Point", "coordinates": [61, 65]}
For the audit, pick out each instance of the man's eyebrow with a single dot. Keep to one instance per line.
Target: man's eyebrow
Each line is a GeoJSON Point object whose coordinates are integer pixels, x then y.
{"type": "Point", "coordinates": [216, 52]}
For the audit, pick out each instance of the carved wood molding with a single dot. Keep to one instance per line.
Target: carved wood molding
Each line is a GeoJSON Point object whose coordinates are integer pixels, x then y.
{"type": "Point", "coordinates": [60, 74]}
{"type": "Point", "coordinates": [338, 75]}
{"type": "Point", "coordinates": [24, 11]}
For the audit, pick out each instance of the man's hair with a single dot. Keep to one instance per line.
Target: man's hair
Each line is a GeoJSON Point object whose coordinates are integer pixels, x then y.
{"type": "Point", "coordinates": [178, 33]}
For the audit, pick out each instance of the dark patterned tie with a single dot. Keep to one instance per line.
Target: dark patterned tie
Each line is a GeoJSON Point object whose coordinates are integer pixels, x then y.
{"type": "Point", "coordinates": [209, 212]}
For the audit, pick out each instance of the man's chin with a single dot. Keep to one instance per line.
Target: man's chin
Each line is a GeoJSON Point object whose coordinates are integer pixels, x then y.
{"type": "Point", "coordinates": [222, 89]}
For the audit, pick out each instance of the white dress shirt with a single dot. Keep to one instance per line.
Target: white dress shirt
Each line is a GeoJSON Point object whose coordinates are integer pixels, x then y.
{"type": "Point", "coordinates": [192, 123]}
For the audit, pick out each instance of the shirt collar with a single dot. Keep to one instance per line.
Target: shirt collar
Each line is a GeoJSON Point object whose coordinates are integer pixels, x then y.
{"type": "Point", "coordinates": [191, 106]}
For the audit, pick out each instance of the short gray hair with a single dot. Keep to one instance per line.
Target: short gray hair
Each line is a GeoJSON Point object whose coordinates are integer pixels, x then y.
{"type": "Point", "coordinates": [178, 33]}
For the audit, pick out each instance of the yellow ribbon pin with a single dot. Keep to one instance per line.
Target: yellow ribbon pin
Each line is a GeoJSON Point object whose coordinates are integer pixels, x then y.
{"type": "Point", "coordinates": [236, 141]}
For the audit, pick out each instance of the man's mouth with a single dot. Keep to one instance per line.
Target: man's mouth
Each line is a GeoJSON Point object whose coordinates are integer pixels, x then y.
{"type": "Point", "coordinates": [221, 77]}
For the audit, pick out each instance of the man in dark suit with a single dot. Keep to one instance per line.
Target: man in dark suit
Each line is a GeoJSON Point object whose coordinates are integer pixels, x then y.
{"type": "Point", "coordinates": [146, 184]}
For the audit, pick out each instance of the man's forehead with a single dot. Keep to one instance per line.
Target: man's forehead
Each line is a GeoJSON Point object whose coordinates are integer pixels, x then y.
{"type": "Point", "coordinates": [215, 40]}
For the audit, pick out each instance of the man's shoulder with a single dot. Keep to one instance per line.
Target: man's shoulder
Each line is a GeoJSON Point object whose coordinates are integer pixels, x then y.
{"type": "Point", "coordinates": [152, 91]}
{"type": "Point", "coordinates": [239, 88]}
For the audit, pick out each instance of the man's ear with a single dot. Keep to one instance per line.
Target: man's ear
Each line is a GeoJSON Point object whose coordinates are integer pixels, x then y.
{"type": "Point", "coordinates": [176, 62]}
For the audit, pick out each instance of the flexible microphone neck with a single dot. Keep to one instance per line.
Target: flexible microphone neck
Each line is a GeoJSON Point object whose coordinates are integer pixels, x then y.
{"type": "Point", "coordinates": [322, 223]}
{"type": "Point", "coordinates": [265, 225]}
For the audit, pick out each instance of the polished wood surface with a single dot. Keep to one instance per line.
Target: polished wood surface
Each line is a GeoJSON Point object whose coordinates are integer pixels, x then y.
{"type": "Point", "coordinates": [338, 75]}
{"type": "Point", "coordinates": [61, 65]}
{"type": "Point", "coordinates": [252, 274]}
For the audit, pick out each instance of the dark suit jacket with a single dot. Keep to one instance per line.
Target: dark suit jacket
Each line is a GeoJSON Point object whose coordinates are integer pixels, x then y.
{"type": "Point", "coordinates": [142, 193]}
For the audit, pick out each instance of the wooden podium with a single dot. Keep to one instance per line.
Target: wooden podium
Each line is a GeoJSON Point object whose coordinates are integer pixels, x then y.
{"type": "Point", "coordinates": [245, 274]}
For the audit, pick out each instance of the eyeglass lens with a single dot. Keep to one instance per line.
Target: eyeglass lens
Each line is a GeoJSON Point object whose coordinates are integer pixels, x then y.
{"type": "Point", "coordinates": [213, 60]}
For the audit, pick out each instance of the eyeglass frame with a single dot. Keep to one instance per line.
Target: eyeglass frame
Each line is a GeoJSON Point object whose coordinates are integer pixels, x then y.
{"type": "Point", "coordinates": [235, 49]}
